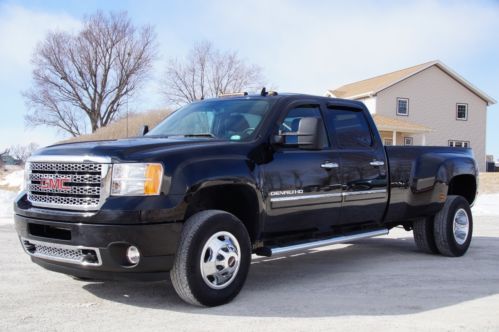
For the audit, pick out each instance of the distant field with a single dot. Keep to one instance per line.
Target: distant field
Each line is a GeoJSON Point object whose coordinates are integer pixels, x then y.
{"type": "Point", "coordinates": [489, 183]}
{"type": "Point", "coordinates": [118, 129]}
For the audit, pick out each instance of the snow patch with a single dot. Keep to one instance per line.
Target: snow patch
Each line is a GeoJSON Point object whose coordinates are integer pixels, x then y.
{"type": "Point", "coordinates": [14, 179]}
{"type": "Point", "coordinates": [7, 206]}
{"type": "Point", "coordinates": [486, 205]}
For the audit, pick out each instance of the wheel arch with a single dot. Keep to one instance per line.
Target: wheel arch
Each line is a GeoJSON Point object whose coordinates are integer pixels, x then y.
{"type": "Point", "coordinates": [460, 175]}
{"type": "Point", "coordinates": [464, 185]}
{"type": "Point", "coordinates": [240, 199]}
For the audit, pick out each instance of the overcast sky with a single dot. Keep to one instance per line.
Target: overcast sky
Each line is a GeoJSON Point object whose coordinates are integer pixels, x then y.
{"type": "Point", "coordinates": [302, 46]}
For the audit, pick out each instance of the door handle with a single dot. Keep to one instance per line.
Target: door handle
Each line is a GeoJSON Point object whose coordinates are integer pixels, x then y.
{"type": "Point", "coordinates": [377, 163]}
{"type": "Point", "coordinates": [329, 165]}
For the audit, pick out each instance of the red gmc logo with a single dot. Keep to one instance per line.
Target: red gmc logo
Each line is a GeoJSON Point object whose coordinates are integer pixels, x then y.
{"type": "Point", "coordinates": [54, 184]}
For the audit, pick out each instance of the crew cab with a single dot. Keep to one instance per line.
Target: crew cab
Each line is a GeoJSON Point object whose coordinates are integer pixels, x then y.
{"type": "Point", "coordinates": [222, 179]}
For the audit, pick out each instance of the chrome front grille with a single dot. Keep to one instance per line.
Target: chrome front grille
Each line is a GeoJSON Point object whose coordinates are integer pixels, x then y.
{"type": "Point", "coordinates": [72, 185]}
{"type": "Point", "coordinates": [62, 253]}
{"type": "Point", "coordinates": [75, 203]}
{"type": "Point", "coordinates": [73, 190]}
{"type": "Point", "coordinates": [65, 167]}
{"type": "Point", "coordinates": [74, 178]}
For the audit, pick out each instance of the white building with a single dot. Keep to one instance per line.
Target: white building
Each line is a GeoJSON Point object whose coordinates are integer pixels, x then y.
{"type": "Point", "coordinates": [428, 104]}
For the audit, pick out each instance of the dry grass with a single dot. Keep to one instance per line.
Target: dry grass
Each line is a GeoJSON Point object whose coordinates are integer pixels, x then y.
{"type": "Point", "coordinates": [489, 183]}
{"type": "Point", "coordinates": [3, 173]}
{"type": "Point", "coordinates": [7, 188]}
{"type": "Point", "coordinates": [118, 129]}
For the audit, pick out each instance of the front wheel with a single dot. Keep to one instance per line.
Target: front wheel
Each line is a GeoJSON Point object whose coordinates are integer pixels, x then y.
{"type": "Point", "coordinates": [212, 259]}
{"type": "Point", "coordinates": [453, 227]}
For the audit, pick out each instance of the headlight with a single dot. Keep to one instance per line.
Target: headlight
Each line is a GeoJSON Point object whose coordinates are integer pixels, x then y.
{"type": "Point", "coordinates": [136, 179]}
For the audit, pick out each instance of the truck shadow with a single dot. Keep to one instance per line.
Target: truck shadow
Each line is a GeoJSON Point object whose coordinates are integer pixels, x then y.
{"type": "Point", "coordinates": [383, 276]}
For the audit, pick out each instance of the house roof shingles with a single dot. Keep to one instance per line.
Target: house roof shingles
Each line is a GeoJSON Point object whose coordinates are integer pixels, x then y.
{"type": "Point", "coordinates": [372, 86]}
{"type": "Point", "coordinates": [375, 83]}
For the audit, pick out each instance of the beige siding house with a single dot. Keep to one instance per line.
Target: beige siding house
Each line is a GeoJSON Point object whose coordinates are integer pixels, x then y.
{"type": "Point", "coordinates": [428, 104]}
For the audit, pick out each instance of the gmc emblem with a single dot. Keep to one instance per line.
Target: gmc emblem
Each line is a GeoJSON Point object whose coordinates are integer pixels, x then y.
{"type": "Point", "coordinates": [54, 184]}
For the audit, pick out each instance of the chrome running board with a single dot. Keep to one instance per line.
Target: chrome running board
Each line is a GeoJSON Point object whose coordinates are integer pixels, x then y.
{"type": "Point", "coordinates": [270, 251]}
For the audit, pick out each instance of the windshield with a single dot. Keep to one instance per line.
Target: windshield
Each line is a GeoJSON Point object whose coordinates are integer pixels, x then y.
{"type": "Point", "coordinates": [235, 120]}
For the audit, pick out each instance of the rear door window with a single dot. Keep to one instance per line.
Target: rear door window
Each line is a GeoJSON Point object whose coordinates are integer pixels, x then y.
{"type": "Point", "coordinates": [349, 128]}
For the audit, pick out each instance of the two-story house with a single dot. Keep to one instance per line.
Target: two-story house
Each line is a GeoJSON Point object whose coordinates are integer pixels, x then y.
{"type": "Point", "coordinates": [428, 104]}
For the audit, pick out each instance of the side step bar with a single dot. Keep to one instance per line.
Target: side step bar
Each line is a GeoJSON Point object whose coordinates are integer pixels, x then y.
{"type": "Point", "coordinates": [270, 251]}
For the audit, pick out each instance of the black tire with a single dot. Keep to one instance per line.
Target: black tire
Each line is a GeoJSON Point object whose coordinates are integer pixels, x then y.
{"type": "Point", "coordinates": [424, 235]}
{"type": "Point", "coordinates": [444, 227]}
{"type": "Point", "coordinates": [186, 274]}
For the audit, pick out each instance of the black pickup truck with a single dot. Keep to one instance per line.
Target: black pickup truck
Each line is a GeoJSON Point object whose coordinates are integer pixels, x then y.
{"type": "Point", "coordinates": [225, 178]}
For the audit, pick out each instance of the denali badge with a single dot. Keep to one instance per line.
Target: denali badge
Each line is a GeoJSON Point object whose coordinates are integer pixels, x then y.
{"type": "Point", "coordinates": [286, 192]}
{"type": "Point", "coordinates": [54, 184]}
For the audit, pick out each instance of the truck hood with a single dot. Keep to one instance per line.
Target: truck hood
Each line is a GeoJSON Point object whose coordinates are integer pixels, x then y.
{"type": "Point", "coordinates": [128, 149]}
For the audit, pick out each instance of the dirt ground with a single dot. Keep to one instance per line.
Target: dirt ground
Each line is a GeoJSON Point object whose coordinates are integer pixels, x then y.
{"type": "Point", "coordinates": [489, 183]}
{"type": "Point", "coordinates": [381, 283]}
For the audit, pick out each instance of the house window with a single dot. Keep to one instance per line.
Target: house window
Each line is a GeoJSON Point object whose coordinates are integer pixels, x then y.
{"type": "Point", "coordinates": [459, 144]}
{"type": "Point", "coordinates": [388, 141]}
{"type": "Point", "coordinates": [403, 106]}
{"type": "Point", "coordinates": [408, 140]}
{"type": "Point", "coordinates": [462, 112]}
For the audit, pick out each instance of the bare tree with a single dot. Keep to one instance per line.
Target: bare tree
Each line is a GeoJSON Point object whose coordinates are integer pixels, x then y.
{"type": "Point", "coordinates": [207, 72]}
{"type": "Point", "coordinates": [81, 79]}
{"type": "Point", "coordinates": [2, 154]}
{"type": "Point", "coordinates": [22, 152]}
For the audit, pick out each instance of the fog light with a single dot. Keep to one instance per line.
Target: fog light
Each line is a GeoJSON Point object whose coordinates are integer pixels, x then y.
{"type": "Point", "coordinates": [133, 255]}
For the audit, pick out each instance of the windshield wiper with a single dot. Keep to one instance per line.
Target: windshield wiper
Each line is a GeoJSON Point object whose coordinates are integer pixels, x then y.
{"type": "Point", "coordinates": [210, 135]}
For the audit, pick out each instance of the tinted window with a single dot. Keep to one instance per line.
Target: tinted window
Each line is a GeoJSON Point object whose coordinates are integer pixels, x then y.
{"type": "Point", "coordinates": [292, 120]}
{"type": "Point", "coordinates": [350, 128]}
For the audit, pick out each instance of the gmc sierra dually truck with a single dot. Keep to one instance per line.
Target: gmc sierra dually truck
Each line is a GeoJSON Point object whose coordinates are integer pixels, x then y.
{"type": "Point", "coordinates": [222, 179]}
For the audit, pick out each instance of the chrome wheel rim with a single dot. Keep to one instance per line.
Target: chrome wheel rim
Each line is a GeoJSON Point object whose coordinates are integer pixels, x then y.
{"type": "Point", "coordinates": [220, 260]}
{"type": "Point", "coordinates": [461, 226]}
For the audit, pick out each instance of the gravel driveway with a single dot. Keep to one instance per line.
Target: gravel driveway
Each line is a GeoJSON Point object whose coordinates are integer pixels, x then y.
{"type": "Point", "coordinates": [380, 283]}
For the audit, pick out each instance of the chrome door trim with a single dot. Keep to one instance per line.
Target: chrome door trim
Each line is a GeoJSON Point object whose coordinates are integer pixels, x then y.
{"type": "Point", "coordinates": [303, 197]}
{"type": "Point", "coordinates": [315, 196]}
{"type": "Point", "coordinates": [364, 192]}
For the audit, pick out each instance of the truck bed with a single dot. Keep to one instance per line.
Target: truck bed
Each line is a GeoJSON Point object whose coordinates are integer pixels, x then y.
{"type": "Point", "coordinates": [419, 178]}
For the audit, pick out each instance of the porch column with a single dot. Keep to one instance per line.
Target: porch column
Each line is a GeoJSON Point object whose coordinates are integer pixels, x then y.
{"type": "Point", "coordinates": [394, 137]}
{"type": "Point", "coordinates": [424, 139]}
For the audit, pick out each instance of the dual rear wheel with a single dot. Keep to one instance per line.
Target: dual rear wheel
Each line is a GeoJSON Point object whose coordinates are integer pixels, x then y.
{"type": "Point", "coordinates": [449, 232]}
